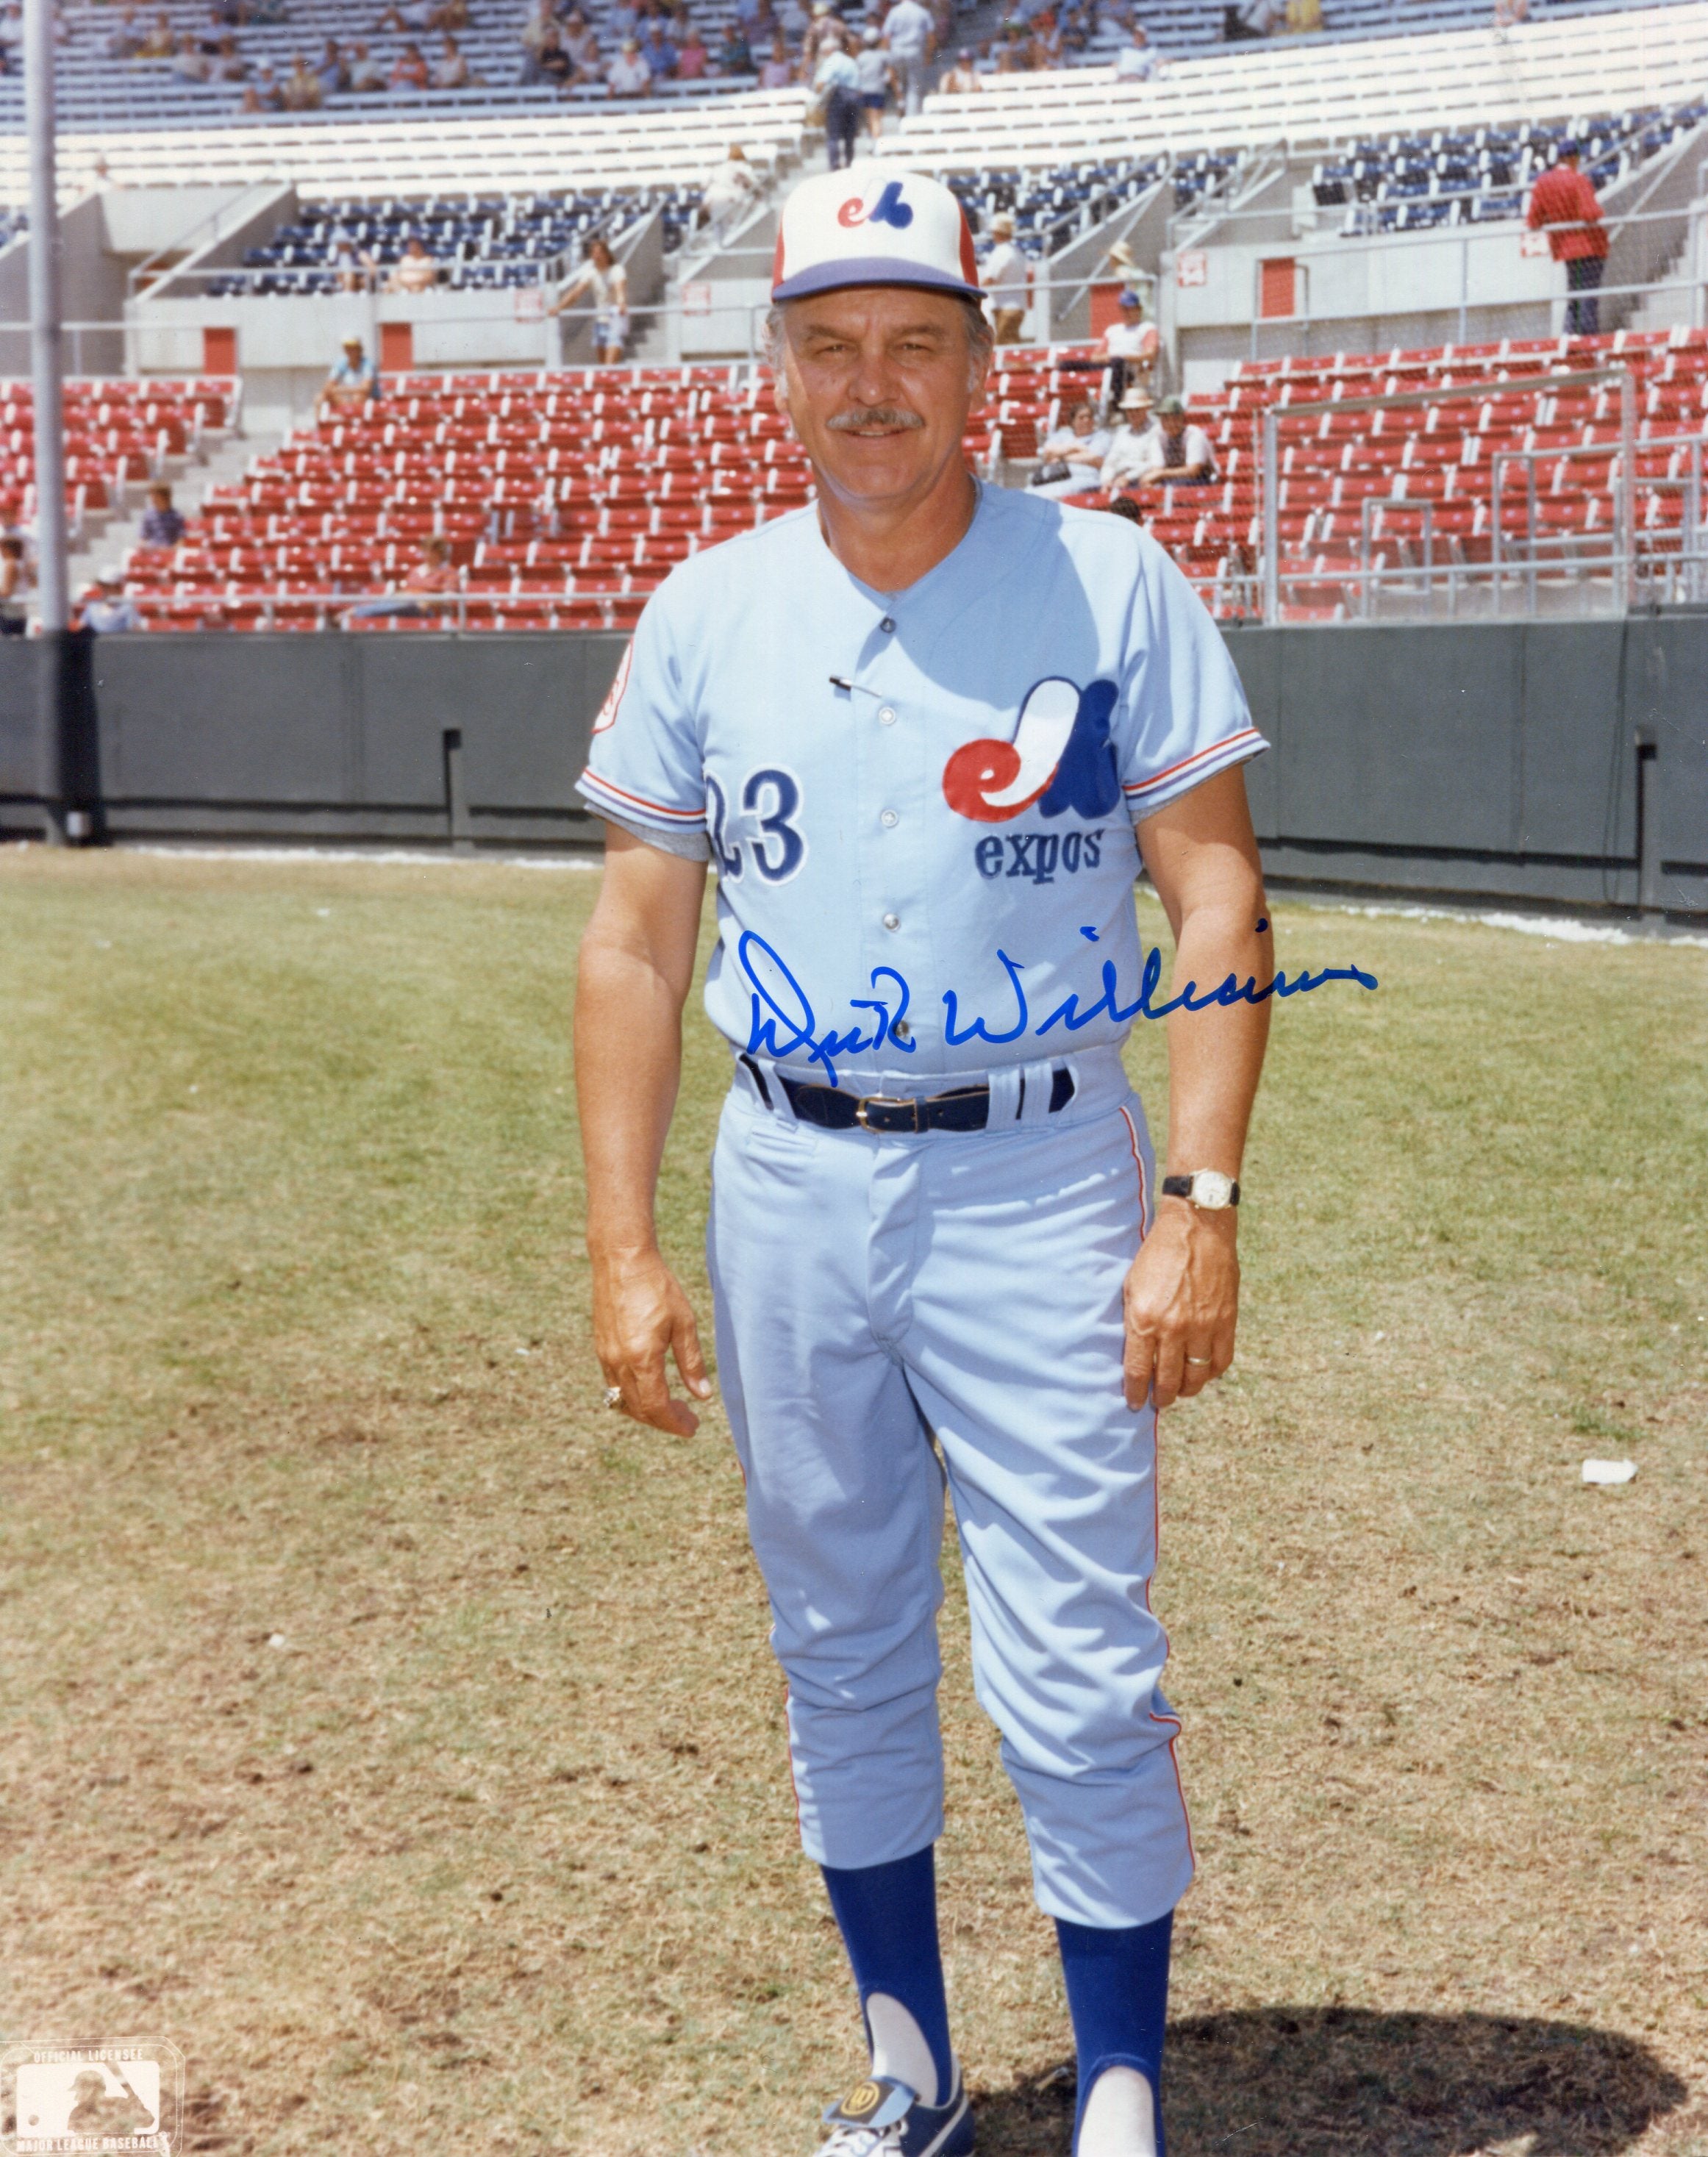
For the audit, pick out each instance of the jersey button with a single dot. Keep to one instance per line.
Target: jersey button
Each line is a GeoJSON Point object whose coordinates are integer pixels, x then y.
{"type": "Point", "coordinates": [889, 820]}
{"type": "Point", "coordinates": [886, 715]}
{"type": "Point", "coordinates": [892, 921]}
{"type": "Point", "coordinates": [887, 625]}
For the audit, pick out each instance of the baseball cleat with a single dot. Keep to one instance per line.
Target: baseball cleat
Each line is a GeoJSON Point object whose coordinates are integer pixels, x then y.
{"type": "Point", "coordinates": [884, 2119]}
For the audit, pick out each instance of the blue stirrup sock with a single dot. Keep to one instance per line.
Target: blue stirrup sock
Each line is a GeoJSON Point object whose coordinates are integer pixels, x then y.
{"type": "Point", "coordinates": [888, 1917]}
{"type": "Point", "coordinates": [1117, 1982]}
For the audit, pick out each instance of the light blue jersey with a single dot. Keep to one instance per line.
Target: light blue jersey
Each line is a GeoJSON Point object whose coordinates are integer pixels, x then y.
{"type": "Point", "coordinates": [920, 804]}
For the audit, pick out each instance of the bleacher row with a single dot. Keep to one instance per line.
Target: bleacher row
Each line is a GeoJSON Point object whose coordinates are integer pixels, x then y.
{"type": "Point", "coordinates": [481, 243]}
{"type": "Point", "coordinates": [1246, 96]}
{"type": "Point", "coordinates": [1295, 92]}
{"type": "Point", "coordinates": [1415, 181]}
{"type": "Point", "coordinates": [1429, 468]}
{"type": "Point", "coordinates": [565, 497]}
{"type": "Point", "coordinates": [97, 90]}
{"type": "Point", "coordinates": [119, 433]}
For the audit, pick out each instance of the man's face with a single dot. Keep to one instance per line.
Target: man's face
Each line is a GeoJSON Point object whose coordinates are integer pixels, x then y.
{"type": "Point", "coordinates": [877, 384]}
{"type": "Point", "coordinates": [1173, 425]}
{"type": "Point", "coordinates": [1082, 421]}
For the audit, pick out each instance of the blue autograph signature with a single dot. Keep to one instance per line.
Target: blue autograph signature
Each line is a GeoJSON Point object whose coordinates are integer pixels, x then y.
{"type": "Point", "coordinates": [780, 1002]}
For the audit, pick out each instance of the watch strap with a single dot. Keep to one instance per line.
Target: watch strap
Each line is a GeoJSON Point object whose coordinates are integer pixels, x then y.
{"type": "Point", "coordinates": [1181, 1186]}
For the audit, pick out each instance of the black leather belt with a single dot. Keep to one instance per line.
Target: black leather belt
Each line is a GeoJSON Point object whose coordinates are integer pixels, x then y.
{"type": "Point", "coordinates": [967, 1109]}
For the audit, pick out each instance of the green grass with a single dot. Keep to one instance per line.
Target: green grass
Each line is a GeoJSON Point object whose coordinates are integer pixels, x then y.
{"type": "Point", "coordinates": [497, 1849]}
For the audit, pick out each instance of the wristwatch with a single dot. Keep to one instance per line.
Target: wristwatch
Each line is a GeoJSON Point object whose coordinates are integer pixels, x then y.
{"type": "Point", "coordinates": [1207, 1188]}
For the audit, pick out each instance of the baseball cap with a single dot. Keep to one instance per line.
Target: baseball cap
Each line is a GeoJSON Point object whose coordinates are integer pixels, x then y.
{"type": "Point", "coordinates": [870, 224]}
{"type": "Point", "coordinates": [1170, 407]}
{"type": "Point", "coordinates": [1129, 299]}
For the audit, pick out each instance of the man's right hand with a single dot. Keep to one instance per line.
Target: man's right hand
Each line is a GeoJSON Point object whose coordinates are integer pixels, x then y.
{"type": "Point", "coordinates": [639, 1312]}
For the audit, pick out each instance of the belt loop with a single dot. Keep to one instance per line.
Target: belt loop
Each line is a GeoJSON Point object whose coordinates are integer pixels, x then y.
{"type": "Point", "coordinates": [756, 1078]}
{"type": "Point", "coordinates": [1007, 1096]}
{"type": "Point", "coordinates": [1034, 1107]}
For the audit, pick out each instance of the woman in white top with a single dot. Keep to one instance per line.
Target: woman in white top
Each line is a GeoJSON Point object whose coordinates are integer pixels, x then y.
{"type": "Point", "coordinates": [608, 280]}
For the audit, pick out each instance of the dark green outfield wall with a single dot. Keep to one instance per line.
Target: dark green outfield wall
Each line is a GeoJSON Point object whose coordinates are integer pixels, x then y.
{"type": "Point", "coordinates": [1561, 761]}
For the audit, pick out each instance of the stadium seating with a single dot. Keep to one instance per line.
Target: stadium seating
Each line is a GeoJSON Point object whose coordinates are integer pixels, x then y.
{"type": "Point", "coordinates": [97, 91]}
{"type": "Point", "coordinates": [118, 434]}
{"type": "Point", "coordinates": [1050, 208]}
{"type": "Point", "coordinates": [1428, 469]}
{"type": "Point", "coordinates": [1302, 91]}
{"type": "Point", "coordinates": [482, 243]}
{"type": "Point", "coordinates": [412, 153]}
{"type": "Point", "coordinates": [565, 497]}
{"type": "Point", "coordinates": [1410, 183]}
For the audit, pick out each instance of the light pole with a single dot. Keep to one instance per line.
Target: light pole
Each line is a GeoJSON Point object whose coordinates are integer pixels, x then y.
{"type": "Point", "coordinates": [65, 819]}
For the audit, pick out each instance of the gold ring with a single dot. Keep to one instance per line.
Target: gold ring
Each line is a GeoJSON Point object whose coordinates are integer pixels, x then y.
{"type": "Point", "coordinates": [614, 1397]}
{"type": "Point", "coordinates": [1206, 1361]}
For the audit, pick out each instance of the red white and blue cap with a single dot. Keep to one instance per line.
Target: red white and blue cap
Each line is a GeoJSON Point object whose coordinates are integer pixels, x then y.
{"type": "Point", "coordinates": [870, 224]}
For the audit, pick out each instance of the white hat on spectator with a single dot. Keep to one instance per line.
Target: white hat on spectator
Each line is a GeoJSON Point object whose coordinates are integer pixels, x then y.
{"type": "Point", "coordinates": [870, 224]}
{"type": "Point", "coordinates": [110, 573]}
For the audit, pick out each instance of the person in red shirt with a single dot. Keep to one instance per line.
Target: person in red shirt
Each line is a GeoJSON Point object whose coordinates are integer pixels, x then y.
{"type": "Point", "coordinates": [1563, 201]}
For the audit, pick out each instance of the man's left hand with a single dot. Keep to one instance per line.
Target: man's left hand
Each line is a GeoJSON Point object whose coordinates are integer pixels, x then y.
{"type": "Point", "coordinates": [1182, 1303]}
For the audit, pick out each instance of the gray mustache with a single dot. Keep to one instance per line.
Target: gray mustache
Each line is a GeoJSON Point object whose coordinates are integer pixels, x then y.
{"type": "Point", "coordinates": [874, 419]}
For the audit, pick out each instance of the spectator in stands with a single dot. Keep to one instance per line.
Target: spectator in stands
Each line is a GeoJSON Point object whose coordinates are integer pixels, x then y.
{"type": "Point", "coordinates": [367, 77]}
{"type": "Point", "coordinates": [229, 65]}
{"type": "Point", "coordinates": [605, 279]}
{"type": "Point", "coordinates": [1006, 276]}
{"type": "Point", "coordinates": [355, 269]}
{"type": "Point", "coordinates": [14, 585]}
{"type": "Point", "coordinates": [836, 81]}
{"type": "Point", "coordinates": [628, 74]}
{"type": "Point", "coordinates": [1131, 344]}
{"type": "Point", "coordinates": [1563, 203]}
{"type": "Point", "coordinates": [409, 70]}
{"type": "Point", "coordinates": [657, 51]}
{"type": "Point", "coordinates": [1136, 61]}
{"type": "Point", "coordinates": [824, 34]}
{"type": "Point", "coordinates": [159, 44]}
{"type": "Point", "coordinates": [1252, 18]}
{"type": "Point", "coordinates": [550, 62]}
{"type": "Point", "coordinates": [911, 37]}
{"type": "Point", "coordinates": [301, 91]}
{"type": "Point", "coordinates": [582, 46]}
{"type": "Point", "coordinates": [124, 43]}
{"type": "Point", "coordinates": [875, 78]}
{"type": "Point", "coordinates": [1137, 446]}
{"type": "Point", "coordinates": [106, 610]}
{"type": "Point", "coordinates": [1186, 458]}
{"type": "Point", "coordinates": [735, 55]}
{"type": "Point", "coordinates": [263, 93]}
{"type": "Point", "coordinates": [963, 76]}
{"type": "Point", "coordinates": [729, 192]}
{"type": "Point", "coordinates": [1070, 460]}
{"type": "Point", "coordinates": [187, 63]}
{"type": "Point", "coordinates": [693, 61]}
{"type": "Point", "coordinates": [1510, 13]}
{"type": "Point", "coordinates": [452, 70]}
{"type": "Point", "coordinates": [333, 71]}
{"type": "Point", "coordinates": [430, 588]}
{"type": "Point", "coordinates": [542, 16]}
{"type": "Point", "coordinates": [353, 387]}
{"type": "Point", "coordinates": [162, 526]}
{"type": "Point", "coordinates": [777, 70]}
{"type": "Point", "coordinates": [415, 271]}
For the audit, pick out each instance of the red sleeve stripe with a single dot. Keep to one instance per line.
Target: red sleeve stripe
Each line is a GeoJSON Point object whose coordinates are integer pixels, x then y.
{"type": "Point", "coordinates": [1245, 741]}
{"type": "Point", "coordinates": [590, 782]}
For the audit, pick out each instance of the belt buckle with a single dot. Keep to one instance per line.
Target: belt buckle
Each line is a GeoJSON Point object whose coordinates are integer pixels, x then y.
{"type": "Point", "coordinates": [886, 1101]}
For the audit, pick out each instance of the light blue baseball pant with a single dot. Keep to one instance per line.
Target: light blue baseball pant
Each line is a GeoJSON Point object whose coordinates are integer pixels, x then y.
{"type": "Point", "coordinates": [873, 1294]}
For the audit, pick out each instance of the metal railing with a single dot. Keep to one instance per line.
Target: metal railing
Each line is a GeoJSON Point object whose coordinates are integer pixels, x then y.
{"type": "Point", "coordinates": [1531, 564]}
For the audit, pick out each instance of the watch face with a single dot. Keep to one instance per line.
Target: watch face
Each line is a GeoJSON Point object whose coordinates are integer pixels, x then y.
{"type": "Point", "coordinates": [1212, 1189]}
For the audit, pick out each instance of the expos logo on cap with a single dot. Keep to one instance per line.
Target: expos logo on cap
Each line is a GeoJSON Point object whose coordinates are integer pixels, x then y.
{"type": "Point", "coordinates": [870, 224]}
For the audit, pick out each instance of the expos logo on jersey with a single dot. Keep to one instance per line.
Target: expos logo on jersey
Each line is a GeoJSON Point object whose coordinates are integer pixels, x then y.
{"type": "Point", "coordinates": [1061, 757]}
